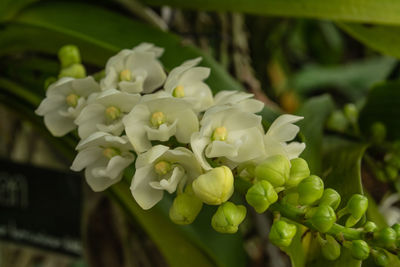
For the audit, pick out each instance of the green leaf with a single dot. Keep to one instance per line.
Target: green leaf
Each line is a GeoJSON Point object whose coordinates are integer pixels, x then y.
{"type": "Point", "coordinates": [385, 39]}
{"type": "Point", "coordinates": [99, 43]}
{"type": "Point", "coordinates": [176, 248]}
{"type": "Point", "coordinates": [351, 80]}
{"type": "Point", "coordinates": [383, 11]}
{"type": "Point", "coordinates": [8, 8]}
{"type": "Point", "coordinates": [315, 112]}
{"type": "Point", "coordinates": [382, 105]}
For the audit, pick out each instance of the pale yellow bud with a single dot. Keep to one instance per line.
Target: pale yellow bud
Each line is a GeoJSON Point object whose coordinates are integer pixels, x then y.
{"type": "Point", "coordinates": [214, 187]}
{"type": "Point", "coordinates": [112, 113]}
{"type": "Point", "coordinates": [179, 91]}
{"type": "Point", "coordinates": [219, 134]}
{"type": "Point", "coordinates": [72, 100]}
{"type": "Point", "coordinates": [110, 152]}
{"type": "Point", "coordinates": [157, 118]}
{"type": "Point", "coordinates": [162, 167]}
{"type": "Point", "coordinates": [125, 75]}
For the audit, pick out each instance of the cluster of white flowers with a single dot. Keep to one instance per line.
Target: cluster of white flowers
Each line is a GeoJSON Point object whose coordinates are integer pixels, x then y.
{"type": "Point", "coordinates": [171, 124]}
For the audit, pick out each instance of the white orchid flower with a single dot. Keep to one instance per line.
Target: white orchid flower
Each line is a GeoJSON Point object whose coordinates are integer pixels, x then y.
{"type": "Point", "coordinates": [281, 131]}
{"type": "Point", "coordinates": [186, 82]}
{"type": "Point", "coordinates": [238, 99]}
{"type": "Point", "coordinates": [64, 101]}
{"type": "Point", "coordinates": [159, 119]}
{"type": "Point", "coordinates": [228, 133]}
{"type": "Point", "coordinates": [105, 113]}
{"type": "Point", "coordinates": [161, 169]}
{"type": "Point", "coordinates": [134, 71]}
{"type": "Point", "coordinates": [104, 158]}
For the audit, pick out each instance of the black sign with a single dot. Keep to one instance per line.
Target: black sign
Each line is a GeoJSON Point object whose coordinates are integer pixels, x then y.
{"type": "Point", "coordinates": [40, 207]}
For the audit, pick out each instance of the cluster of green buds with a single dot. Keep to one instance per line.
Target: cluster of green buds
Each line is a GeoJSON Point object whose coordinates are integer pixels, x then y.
{"type": "Point", "coordinates": [182, 139]}
{"type": "Point", "coordinates": [288, 189]}
{"type": "Point", "coordinates": [71, 65]}
{"type": "Point", "coordinates": [342, 119]}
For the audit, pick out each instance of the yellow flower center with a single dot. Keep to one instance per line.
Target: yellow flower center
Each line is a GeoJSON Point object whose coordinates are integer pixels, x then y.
{"type": "Point", "coordinates": [219, 134]}
{"type": "Point", "coordinates": [178, 91]}
{"type": "Point", "coordinates": [112, 113]}
{"type": "Point", "coordinates": [72, 100]}
{"type": "Point", "coordinates": [162, 167]}
{"type": "Point", "coordinates": [110, 152]}
{"type": "Point", "coordinates": [157, 118]}
{"type": "Point", "coordinates": [125, 75]}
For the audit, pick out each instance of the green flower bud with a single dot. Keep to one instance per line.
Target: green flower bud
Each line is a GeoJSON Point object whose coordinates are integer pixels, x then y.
{"type": "Point", "coordinates": [261, 195]}
{"type": "Point", "coordinates": [69, 55]}
{"type": "Point", "coordinates": [359, 249]}
{"type": "Point", "coordinates": [396, 228]}
{"type": "Point", "coordinates": [370, 227]}
{"type": "Point", "coordinates": [378, 132]}
{"type": "Point", "coordinates": [298, 171]}
{"type": "Point", "coordinates": [214, 187]}
{"type": "Point", "coordinates": [75, 71]}
{"type": "Point", "coordinates": [185, 208]}
{"type": "Point", "coordinates": [337, 121]}
{"type": "Point", "coordinates": [331, 198]}
{"type": "Point", "coordinates": [380, 257]}
{"type": "Point", "coordinates": [275, 169]}
{"type": "Point", "coordinates": [386, 237]}
{"type": "Point", "coordinates": [356, 206]}
{"type": "Point", "coordinates": [351, 112]}
{"type": "Point", "coordinates": [282, 233]}
{"type": "Point", "coordinates": [310, 190]}
{"type": "Point", "coordinates": [330, 248]}
{"type": "Point", "coordinates": [228, 217]}
{"type": "Point", "coordinates": [322, 218]}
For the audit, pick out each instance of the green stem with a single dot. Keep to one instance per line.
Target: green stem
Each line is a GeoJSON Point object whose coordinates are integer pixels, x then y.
{"type": "Point", "coordinates": [297, 215]}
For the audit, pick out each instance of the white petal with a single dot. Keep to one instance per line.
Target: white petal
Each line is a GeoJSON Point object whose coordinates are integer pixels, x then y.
{"type": "Point", "coordinates": [198, 144]}
{"type": "Point", "coordinates": [134, 127]}
{"type": "Point", "coordinates": [86, 157]}
{"type": "Point", "coordinates": [51, 103]}
{"type": "Point", "coordinates": [194, 75]}
{"type": "Point", "coordinates": [185, 158]}
{"type": "Point", "coordinates": [221, 149]}
{"type": "Point", "coordinates": [282, 128]}
{"type": "Point", "coordinates": [294, 149]}
{"type": "Point", "coordinates": [150, 156]}
{"type": "Point", "coordinates": [117, 164]}
{"type": "Point", "coordinates": [171, 182]}
{"type": "Point", "coordinates": [99, 183]}
{"type": "Point", "coordinates": [142, 192]}
{"type": "Point", "coordinates": [85, 86]}
{"type": "Point", "coordinates": [58, 125]}
{"type": "Point", "coordinates": [162, 133]}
